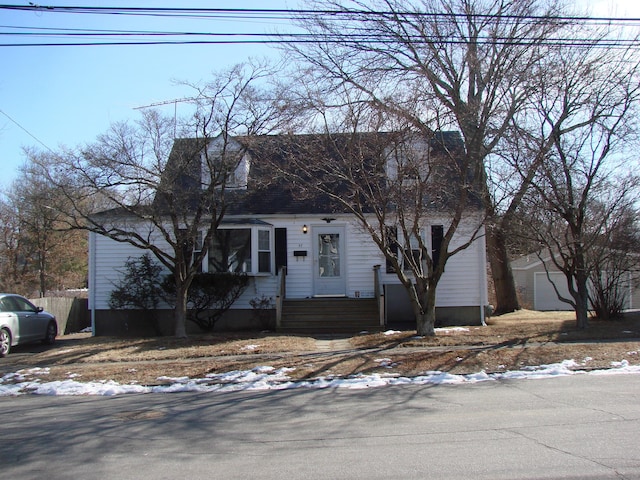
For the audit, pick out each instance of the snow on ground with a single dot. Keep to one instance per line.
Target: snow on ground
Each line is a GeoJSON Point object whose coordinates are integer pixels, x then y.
{"type": "Point", "coordinates": [268, 378]}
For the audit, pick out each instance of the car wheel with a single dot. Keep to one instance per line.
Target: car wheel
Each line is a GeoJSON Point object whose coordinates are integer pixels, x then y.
{"type": "Point", "coordinates": [5, 342]}
{"type": "Point", "coordinates": [52, 332]}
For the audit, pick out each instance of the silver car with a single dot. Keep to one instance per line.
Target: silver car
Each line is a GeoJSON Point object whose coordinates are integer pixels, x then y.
{"type": "Point", "coordinates": [23, 322]}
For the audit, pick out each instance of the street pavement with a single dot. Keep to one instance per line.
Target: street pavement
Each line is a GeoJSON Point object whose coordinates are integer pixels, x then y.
{"type": "Point", "coordinates": [577, 427]}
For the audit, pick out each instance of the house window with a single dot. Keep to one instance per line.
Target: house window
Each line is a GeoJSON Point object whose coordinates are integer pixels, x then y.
{"type": "Point", "coordinates": [411, 251]}
{"type": "Point", "coordinates": [230, 250]}
{"type": "Point", "coordinates": [264, 251]}
{"type": "Point", "coordinates": [191, 247]}
{"type": "Point", "coordinates": [413, 254]}
{"type": "Point", "coordinates": [197, 250]}
{"type": "Point", "coordinates": [225, 164]}
{"type": "Point", "coordinates": [241, 250]}
{"type": "Point", "coordinates": [391, 240]}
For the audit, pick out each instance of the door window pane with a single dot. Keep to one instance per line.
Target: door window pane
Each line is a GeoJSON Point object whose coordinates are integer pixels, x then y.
{"type": "Point", "coordinates": [329, 254]}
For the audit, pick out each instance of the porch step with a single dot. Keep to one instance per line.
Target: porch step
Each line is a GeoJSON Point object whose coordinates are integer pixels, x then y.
{"type": "Point", "coordinates": [330, 315]}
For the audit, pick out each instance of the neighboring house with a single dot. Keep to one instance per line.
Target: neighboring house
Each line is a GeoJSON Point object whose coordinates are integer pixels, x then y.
{"type": "Point", "coordinates": [536, 288]}
{"type": "Point", "coordinates": [312, 261]}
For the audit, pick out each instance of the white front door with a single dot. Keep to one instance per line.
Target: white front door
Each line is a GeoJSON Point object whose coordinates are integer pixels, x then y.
{"type": "Point", "coordinates": [329, 261]}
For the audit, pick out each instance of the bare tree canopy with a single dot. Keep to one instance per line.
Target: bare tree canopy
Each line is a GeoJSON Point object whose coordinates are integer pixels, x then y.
{"type": "Point", "coordinates": [574, 145]}
{"type": "Point", "coordinates": [471, 65]}
{"type": "Point", "coordinates": [451, 64]}
{"type": "Point", "coordinates": [163, 197]}
{"type": "Point", "coordinates": [39, 252]}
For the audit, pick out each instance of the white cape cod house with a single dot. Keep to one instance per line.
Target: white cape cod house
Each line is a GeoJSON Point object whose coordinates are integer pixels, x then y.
{"type": "Point", "coordinates": [313, 264]}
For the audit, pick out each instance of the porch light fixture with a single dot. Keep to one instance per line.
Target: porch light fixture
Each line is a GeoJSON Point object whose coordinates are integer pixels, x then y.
{"type": "Point", "coordinates": [328, 219]}
{"type": "Point", "coordinates": [305, 229]}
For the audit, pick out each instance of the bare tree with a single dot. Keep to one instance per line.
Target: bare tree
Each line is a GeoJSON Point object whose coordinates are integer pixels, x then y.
{"type": "Point", "coordinates": [168, 197]}
{"type": "Point", "coordinates": [615, 260]}
{"type": "Point", "coordinates": [458, 64]}
{"type": "Point", "coordinates": [14, 271]}
{"type": "Point", "coordinates": [414, 195]}
{"type": "Point", "coordinates": [43, 255]}
{"type": "Point", "coordinates": [583, 126]}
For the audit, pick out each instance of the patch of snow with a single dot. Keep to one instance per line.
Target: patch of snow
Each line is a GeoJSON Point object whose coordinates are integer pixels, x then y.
{"type": "Point", "coordinates": [250, 347]}
{"type": "Point", "coordinates": [269, 378]}
{"type": "Point", "coordinates": [451, 329]}
{"type": "Point", "coordinates": [391, 332]}
{"type": "Point", "coordinates": [621, 364]}
{"type": "Point", "coordinates": [385, 362]}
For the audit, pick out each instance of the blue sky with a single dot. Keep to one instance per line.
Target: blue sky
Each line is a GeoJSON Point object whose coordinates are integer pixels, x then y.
{"type": "Point", "coordinates": [69, 95]}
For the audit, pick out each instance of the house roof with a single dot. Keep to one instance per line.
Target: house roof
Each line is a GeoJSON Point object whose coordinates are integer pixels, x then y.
{"type": "Point", "coordinates": [268, 191]}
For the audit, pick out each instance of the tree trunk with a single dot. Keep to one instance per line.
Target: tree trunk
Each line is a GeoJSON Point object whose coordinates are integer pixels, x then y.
{"type": "Point", "coordinates": [503, 282]}
{"type": "Point", "coordinates": [180, 312]}
{"type": "Point", "coordinates": [43, 274]}
{"type": "Point", "coordinates": [582, 304]}
{"type": "Point", "coordinates": [426, 314]}
{"type": "Point", "coordinates": [582, 316]}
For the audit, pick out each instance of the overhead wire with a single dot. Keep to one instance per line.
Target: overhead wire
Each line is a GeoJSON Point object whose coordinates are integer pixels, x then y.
{"type": "Point", "coordinates": [89, 37]}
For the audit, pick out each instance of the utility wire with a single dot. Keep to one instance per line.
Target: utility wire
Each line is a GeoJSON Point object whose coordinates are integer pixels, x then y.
{"type": "Point", "coordinates": [72, 37]}
{"type": "Point", "coordinates": [203, 38]}
{"type": "Point", "coordinates": [284, 13]}
{"type": "Point", "coordinates": [26, 131]}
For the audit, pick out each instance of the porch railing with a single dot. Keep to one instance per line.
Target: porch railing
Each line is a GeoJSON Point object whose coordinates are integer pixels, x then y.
{"type": "Point", "coordinates": [378, 293]}
{"type": "Point", "coordinates": [280, 295]}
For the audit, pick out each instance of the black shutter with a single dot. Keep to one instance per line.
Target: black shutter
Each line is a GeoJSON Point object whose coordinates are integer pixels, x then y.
{"type": "Point", "coordinates": [280, 248]}
{"type": "Point", "coordinates": [437, 234]}
{"type": "Point", "coordinates": [392, 241]}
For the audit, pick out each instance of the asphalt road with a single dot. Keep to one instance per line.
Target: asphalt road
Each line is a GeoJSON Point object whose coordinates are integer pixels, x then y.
{"type": "Point", "coordinates": [571, 427]}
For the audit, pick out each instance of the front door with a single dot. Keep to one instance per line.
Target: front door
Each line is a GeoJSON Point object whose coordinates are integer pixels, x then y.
{"type": "Point", "coordinates": [329, 261]}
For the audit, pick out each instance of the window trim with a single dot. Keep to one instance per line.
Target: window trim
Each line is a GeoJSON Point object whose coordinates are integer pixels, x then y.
{"type": "Point", "coordinates": [255, 248]}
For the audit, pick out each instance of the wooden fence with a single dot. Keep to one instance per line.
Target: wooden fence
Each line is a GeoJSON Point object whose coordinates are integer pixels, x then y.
{"type": "Point", "coordinates": [72, 313]}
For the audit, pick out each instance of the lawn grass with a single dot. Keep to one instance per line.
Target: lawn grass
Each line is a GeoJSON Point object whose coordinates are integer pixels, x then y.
{"type": "Point", "coordinates": [508, 342]}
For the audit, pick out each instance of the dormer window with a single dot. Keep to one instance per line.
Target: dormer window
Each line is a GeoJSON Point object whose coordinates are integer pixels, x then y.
{"type": "Point", "coordinates": [225, 164]}
{"type": "Point", "coordinates": [409, 163]}
{"type": "Point", "coordinates": [238, 178]}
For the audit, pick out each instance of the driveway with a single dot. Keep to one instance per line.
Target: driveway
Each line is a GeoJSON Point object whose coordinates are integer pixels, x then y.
{"type": "Point", "coordinates": [569, 427]}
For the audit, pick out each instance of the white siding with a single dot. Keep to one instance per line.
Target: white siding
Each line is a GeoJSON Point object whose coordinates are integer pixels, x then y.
{"type": "Point", "coordinates": [362, 255]}
{"type": "Point", "coordinates": [464, 280]}
{"type": "Point", "coordinates": [463, 284]}
{"type": "Point", "coordinates": [106, 267]}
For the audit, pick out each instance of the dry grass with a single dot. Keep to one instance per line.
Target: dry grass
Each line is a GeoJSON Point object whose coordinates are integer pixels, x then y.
{"type": "Point", "coordinates": [509, 342]}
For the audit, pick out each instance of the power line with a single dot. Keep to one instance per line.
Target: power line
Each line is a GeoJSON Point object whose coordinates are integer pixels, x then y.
{"type": "Point", "coordinates": [75, 37]}
{"type": "Point", "coordinates": [26, 131]}
{"type": "Point", "coordinates": [288, 13]}
{"type": "Point", "coordinates": [237, 38]}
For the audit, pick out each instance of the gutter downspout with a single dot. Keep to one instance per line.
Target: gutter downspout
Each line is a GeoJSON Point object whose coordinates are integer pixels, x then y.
{"type": "Point", "coordinates": [92, 281]}
{"type": "Point", "coordinates": [483, 284]}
